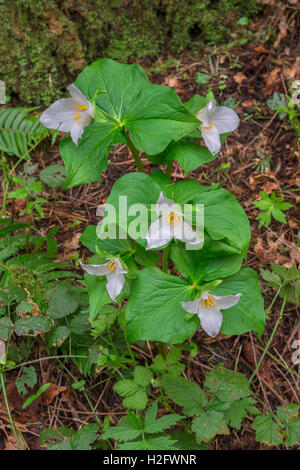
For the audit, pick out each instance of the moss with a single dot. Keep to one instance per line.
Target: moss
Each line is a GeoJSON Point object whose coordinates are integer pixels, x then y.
{"type": "Point", "coordinates": [44, 44]}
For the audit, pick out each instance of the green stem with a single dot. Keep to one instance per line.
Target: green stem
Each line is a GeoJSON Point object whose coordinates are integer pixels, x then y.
{"type": "Point", "coordinates": [135, 154]}
{"type": "Point", "coordinates": [271, 337]}
{"type": "Point", "coordinates": [169, 169]}
{"type": "Point", "coordinates": [8, 411]}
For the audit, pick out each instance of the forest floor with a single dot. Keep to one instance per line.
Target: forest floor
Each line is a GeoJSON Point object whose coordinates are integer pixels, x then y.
{"type": "Point", "coordinates": [261, 155]}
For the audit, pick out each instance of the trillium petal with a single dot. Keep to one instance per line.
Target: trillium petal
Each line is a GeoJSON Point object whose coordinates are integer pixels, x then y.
{"type": "Point", "coordinates": [211, 105]}
{"type": "Point", "coordinates": [211, 320]}
{"type": "Point", "coordinates": [58, 114]}
{"type": "Point", "coordinates": [203, 115]}
{"type": "Point", "coordinates": [185, 233]}
{"type": "Point", "coordinates": [165, 205]}
{"type": "Point", "coordinates": [115, 283]}
{"type": "Point", "coordinates": [191, 307]}
{"type": "Point", "coordinates": [211, 139]}
{"type": "Point", "coordinates": [76, 132]}
{"type": "Point", "coordinates": [95, 269]}
{"type": "Point", "coordinates": [226, 301]}
{"type": "Point", "coordinates": [77, 94]}
{"type": "Point", "coordinates": [119, 266]}
{"type": "Point", "coordinates": [159, 233]}
{"type": "Point", "coordinates": [225, 119]}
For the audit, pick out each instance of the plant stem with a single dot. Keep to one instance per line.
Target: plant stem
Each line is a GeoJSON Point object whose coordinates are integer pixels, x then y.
{"type": "Point", "coordinates": [271, 337]}
{"type": "Point", "coordinates": [8, 412]}
{"type": "Point", "coordinates": [135, 154]}
{"type": "Point", "coordinates": [169, 169]}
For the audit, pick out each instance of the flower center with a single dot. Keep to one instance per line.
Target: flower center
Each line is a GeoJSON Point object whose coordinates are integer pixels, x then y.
{"type": "Point", "coordinates": [173, 219]}
{"type": "Point", "coordinates": [112, 266]}
{"type": "Point", "coordinates": [209, 127]}
{"type": "Point", "coordinates": [206, 302]}
{"type": "Point", "coordinates": [83, 108]}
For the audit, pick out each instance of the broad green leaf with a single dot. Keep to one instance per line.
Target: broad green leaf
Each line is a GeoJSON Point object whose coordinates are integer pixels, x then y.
{"type": "Point", "coordinates": [196, 103]}
{"type": "Point", "coordinates": [188, 154]}
{"type": "Point", "coordinates": [224, 218]}
{"type": "Point", "coordinates": [208, 424]}
{"type": "Point", "coordinates": [90, 239]}
{"type": "Point", "coordinates": [267, 430]}
{"type": "Point", "coordinates": [185, 393]}
{"type": "Point", "coordinates": [86, 161]}
{"type": "Point", "coordinates": [142, 376]}
{"type": "Point", "coordinates": [200, 265]}
{"type": "Point", "coordinates": [248, 313]}
{"type": "Point", "coordinates": [98, 296]}
{"type": "Point", "coordinates": [226, 384]}
{"type": "Point", "coordinates": [104, 319]}
{"type": "Point", "coordinates": [146, 258]}
{"type": "Point", "coordinates": [155, 300]}
{"type": "Point", "coordinates": [61, 303]}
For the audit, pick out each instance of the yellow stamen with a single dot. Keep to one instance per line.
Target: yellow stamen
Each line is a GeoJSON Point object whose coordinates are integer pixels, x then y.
{"type": "Point", "coordinates": [76, 115]}
{"type": "Point", "coordinates": [206, 302]}
{"type": "Point", "coordinates": [208, 127]}
{"type": "Point", "coordinates": [211, 122]}
{"type": "Point", "coordinates": [83, 108]}
{"type": "Point", "coordinates": [173, 219]}
{"type": "Point", "coordinates": [112, 266]}
{"type": "Point", "coordinates": [79, 120]}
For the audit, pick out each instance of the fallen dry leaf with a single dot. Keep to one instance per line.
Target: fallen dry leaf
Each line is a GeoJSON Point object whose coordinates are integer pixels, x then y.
{"type": "Point", "coordinates": [239, 78]}
{"type": "Point", "coordinates": [51, 393]}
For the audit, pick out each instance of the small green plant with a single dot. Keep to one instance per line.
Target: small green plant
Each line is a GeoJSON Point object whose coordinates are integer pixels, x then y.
{"type": "Point", "coordinates": [271, 206]}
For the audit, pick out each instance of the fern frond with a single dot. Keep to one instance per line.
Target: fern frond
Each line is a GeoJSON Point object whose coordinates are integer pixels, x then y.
{"type": "Point", "coordinates": [18, 131]}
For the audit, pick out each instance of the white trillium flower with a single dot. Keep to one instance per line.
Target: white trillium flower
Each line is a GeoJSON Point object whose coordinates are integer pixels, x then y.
{"type": "Point", "coordinates": [215, 121]}
{"type": "Point", "coordinates": [208, 308]}
{"type": "Point", "coordinates": [69, 114]}
{"type": "Point", "coordinates": [170, 225]}
{"type": "Point", "coordinates": [114, 272]}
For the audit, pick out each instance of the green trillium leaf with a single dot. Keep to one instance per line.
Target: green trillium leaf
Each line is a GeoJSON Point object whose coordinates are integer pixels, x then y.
{"type": "Point", "coordinates": [154, 310]}
{"type": "Point", "coordinates": [248, 313]}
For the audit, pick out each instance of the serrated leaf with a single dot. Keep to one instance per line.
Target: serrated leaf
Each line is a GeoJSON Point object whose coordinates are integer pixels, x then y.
{"type": "Point", "coordinates": [208, 424]}
{"type": "Point", "coordinates": [293, 432]}
{"type": "Point", "coordinates": [185, 393]}
{"type": "Point", "coordinates": [267, 430]}
{"type": "Point", "coordinates": [162, 423]}
{"type": "Point", "coordinates": [237, 411]}
{"type": "Point", "coordinates": [142, 376]}
{"type": "Point", "coordinates": [227, 385]}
